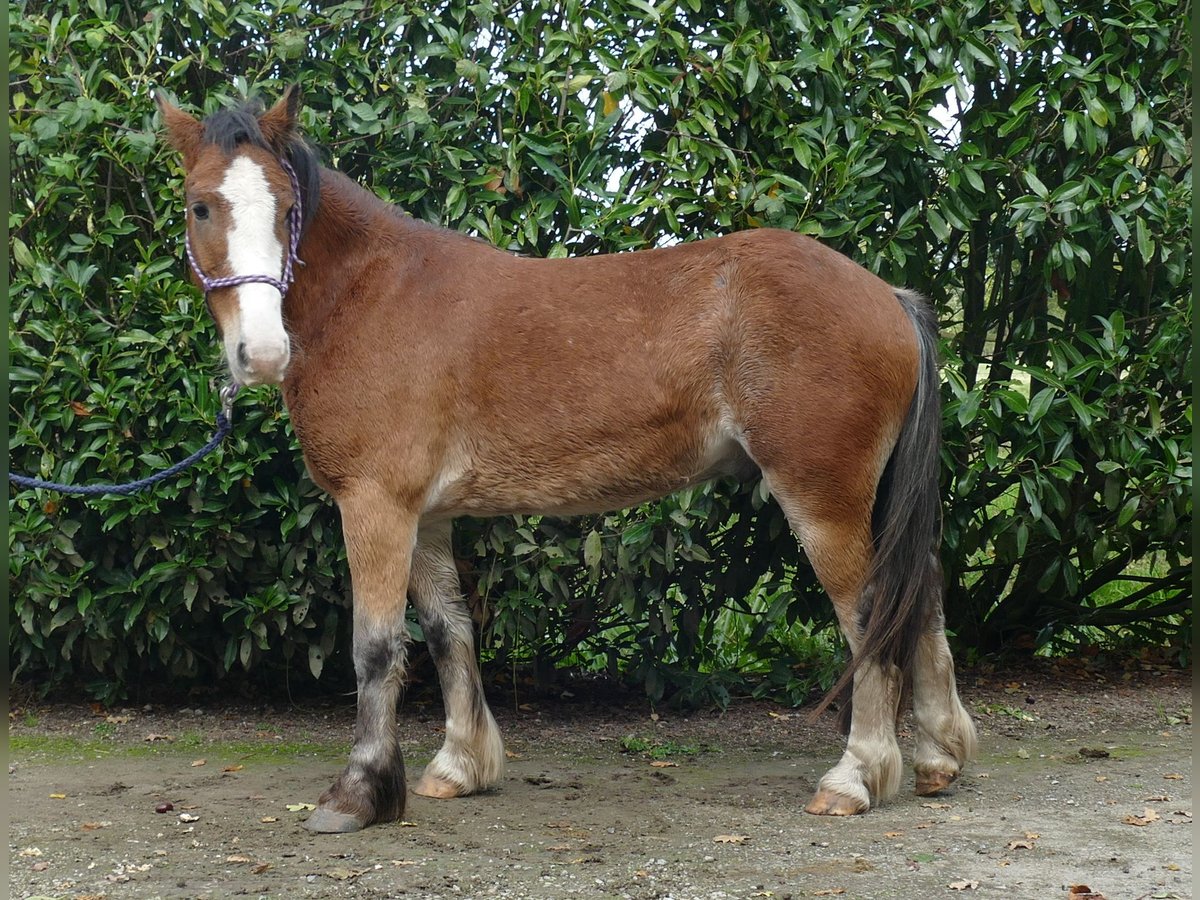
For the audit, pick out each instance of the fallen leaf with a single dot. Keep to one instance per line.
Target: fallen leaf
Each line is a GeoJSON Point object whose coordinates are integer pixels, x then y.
{"type": "Point", "coordinates": [963, 885]}
{"type": "Point", "coordinates": [510, 755]}
{"type": "Point", "coordinates": [199, 762]}
{"type": "Point", "coordinates": [1083, 892]}
{"type": "Point", "coordinates": [1159, 798]}
{"type": "Point", "coordinates": [79, 409]}
{"type": "Point", "coordinates": [825, 892]}
{"type": "Point", "coordinates": [158, 737]}
{"type": "Point", "coordinates": [235, 768]}
{"type": "Point", "coordinates": [238, 858]}
{"type": "Point", "coordinates": [58, 796]}
{"type": "Point", "coordinates": [731, 838]}
{"type": "Point", "coordinates": [936, 805]}
{"type": "Point", "coordinates": [92, 826]}
{"type": "Point", "coordinates": [40, 866]}
{"type": "Point", "coordinates": [560, 847]}
{"type": "Point", "coordinates": [1023, 753]}
{"type": "Point", "coordinates": [116, 720]}
{"type": "Point", "coordinates": [1019, 845]}
{"type": "Point", "coordinates": [403, 862]}
{"type": "Point", "coordinates": [1032, 835]}
{"type": "Point", "coordinates": [260, 868]}
{"type": "Point", "coordinates": [30, 851]}
{"type": "Point", "coordinates": [188, 817]}
{"type": "Point", "coordinates": [297, 807]}
{"type": "Point", "coordinates": [663, 764]}
{"type": "Point", "coordinates": [1174, 776]}
{"type": "Point", "coordinates": [405, 824]}
{"type": "Point", "coordinates": [1101, 778]}
{"type": "Point", "coordinates": [341, 874]}
{"type": "Point", "coordinates": [1144, 819]}
{"type": "Point", "coordinates": [893, 834]}
{"type": "Point", "coordinates": [267, 820]}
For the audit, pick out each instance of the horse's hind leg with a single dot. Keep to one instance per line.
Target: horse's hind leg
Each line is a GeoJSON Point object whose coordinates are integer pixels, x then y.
{"type": "Point", "coordinates": [835, 529]}
{"type": "Point", "coordinates": [472, 757]}
{"type": "Point", "coordinates": [379, 539]}
{"type": "Point", "coordinates": [945, 732]}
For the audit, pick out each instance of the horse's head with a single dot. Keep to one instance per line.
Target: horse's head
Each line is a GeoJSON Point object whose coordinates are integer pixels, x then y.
{"type": "Point", "coordinates": [241, 228]}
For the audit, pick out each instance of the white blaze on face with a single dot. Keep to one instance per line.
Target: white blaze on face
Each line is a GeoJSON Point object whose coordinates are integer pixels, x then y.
{"type": "Point", "coordinates": [257, 348]}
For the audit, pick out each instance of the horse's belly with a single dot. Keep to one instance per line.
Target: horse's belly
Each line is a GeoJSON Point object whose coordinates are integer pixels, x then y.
{"type": "Point", "coordinates": [572, 479]}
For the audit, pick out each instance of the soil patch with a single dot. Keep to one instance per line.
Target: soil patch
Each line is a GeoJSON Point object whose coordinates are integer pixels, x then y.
{"type": "Point", "coordinates": [1083, 777]}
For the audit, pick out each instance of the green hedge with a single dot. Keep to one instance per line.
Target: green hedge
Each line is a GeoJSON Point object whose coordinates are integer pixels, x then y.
{"type": "Point", "coordinates": [1024, 165]}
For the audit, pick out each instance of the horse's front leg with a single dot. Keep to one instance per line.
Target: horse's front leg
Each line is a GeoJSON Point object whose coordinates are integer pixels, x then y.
{"type": "Point", "coordinates": [472, 757]}
{"type": "Point", "coordinates": [379, 544]}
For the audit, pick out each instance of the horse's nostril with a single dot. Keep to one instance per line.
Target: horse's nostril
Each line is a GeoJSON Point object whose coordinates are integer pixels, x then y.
{"type": "Point", "coordinates": [243, 359]}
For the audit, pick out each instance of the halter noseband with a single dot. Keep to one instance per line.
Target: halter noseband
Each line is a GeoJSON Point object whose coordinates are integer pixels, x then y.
{"type": "Point", "coordinates": [294, 221]}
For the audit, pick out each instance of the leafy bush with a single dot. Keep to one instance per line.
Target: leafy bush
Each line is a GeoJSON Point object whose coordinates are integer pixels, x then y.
{"type": "Point", "coordinates": [1025, 167]}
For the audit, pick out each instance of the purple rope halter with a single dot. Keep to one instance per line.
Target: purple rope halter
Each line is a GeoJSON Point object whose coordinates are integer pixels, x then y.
{"type": "Point", "coordinates": [294, 220]}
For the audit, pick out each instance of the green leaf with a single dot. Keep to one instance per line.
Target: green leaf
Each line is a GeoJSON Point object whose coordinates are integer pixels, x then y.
{"type": "Point", "coordinates": [592, 550]}
{"type": "Point", "coordinates": [1129, 509]}
{"type": "Point", "coordinates": [1040, 404]}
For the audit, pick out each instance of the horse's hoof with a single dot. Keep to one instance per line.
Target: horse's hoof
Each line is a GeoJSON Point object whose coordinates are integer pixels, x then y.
{"type": "Point", "coordinates": [831, 803]}
{"type": "Point", "coordinates": [438, 788]}
{"type": "Point", "coordinates": [329, 821]}
{"type": "Point", "coordinates": [930, 783]}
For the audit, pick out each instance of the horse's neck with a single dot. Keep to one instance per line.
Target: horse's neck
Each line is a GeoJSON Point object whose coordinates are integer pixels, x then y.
{"type": "Point", "coordinates": [350, 224]}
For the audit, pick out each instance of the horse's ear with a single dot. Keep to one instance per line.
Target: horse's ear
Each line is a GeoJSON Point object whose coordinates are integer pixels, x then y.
{"type": "Point", "coordinates": [183, 131]}
{"type": "Point", "coordinates": [279, 122]}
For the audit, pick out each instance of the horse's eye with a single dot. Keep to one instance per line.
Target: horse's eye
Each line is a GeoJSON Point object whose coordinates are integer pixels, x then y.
{"type": "Point", "coordinates": [200, 211]}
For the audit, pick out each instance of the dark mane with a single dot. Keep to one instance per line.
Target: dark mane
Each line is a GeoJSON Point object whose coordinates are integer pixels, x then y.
{"type": "Point", "coordinates": [228, 128]}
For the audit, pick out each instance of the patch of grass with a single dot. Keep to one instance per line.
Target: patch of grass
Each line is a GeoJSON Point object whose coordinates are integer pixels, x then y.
{"type": "Point", "coordinates": [660, 748]}
{"type": "Point", "coordinates": [999, 709]}
{"type": "Point", "coordinates": [67, 748]}
{"type": "Point", "coordinates": [30, 720]}
{"type": "Point", "coordinates": [104, 729]}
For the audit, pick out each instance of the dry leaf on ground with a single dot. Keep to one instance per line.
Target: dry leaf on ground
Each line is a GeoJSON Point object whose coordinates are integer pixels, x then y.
{"type": "Point", "coordinates": [731, 838]}
{"type": "Point", "coordinates": [1144, 819]}
{"type": "Point", "coordinates": [963, 885]}
{"type": "Point", "coordinates": [158, 737]}
{"type": "Point", "coordinates": [825, 892]}
{"type": "Point", "coordinates": [199, 762]}
{"type": "Point", "coordinates": [1019, 845]}
{"type": "Point", "coordinates": [234, 768]}
{"type": "Point", "coordinates": [1083, 892]}
{"type": "Point", "coordinates": [298, 807]}
{"type": "Point", "coordinates": [663, 764]}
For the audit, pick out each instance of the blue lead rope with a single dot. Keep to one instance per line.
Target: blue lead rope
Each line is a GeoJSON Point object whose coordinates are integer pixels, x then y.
{"type": "Point", "coordinates": [132, 487]}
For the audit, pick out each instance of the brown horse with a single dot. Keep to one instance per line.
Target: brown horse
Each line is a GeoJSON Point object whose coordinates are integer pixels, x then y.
{"type": "Point", "coordinates": [429, 375]}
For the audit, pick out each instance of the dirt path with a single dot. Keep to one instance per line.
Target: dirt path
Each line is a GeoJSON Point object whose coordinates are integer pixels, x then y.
{"type": "Point", "coordinates": [580, 814]}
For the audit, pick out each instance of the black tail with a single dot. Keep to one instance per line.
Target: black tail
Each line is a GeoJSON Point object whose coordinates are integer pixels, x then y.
{"type": "Point", "coordinates": [904, 586]}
